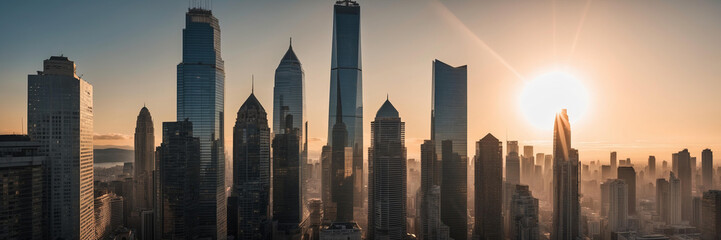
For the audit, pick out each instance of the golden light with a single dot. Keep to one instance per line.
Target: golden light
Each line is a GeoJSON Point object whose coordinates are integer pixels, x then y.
{"type": "Point", "coordinates": [548, 93]}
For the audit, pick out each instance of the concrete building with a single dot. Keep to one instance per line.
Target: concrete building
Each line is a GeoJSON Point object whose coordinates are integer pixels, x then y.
{"type": "Point", "coordinates": [22, 188]}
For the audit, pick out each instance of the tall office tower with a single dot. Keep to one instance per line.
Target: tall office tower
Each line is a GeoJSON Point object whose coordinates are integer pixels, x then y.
{"type": "Point", "coordinates": [696, 220]}
{"type": "Point", "coordinates": [628, 175]}
{"type": "Point", "coordinates": [527, 165]}
{"type": "Point", "coordinates": [674, 201]}
{"type": "Point", "coordinates": [674, 162]}
{"type": "Point", "coordinates": [662, 198]}
{"type": "Point", "coordinates": [22, 193]}
{"type": "Point", "coordinates": [539, 160]}
{"type": "Point", "coordinates": [329, 207]}
{"type": "Point", "coordinates": [605, 205]}
{"type": "Point", "coordinates": [144, 166]}
{"type": "Point", "coordinates": [287, 203]}
{"type": "Point", "coordinates": [387, 176]}
{"type": "Point", "coordinates": [434, 228]}
{"type": "Point", "coordinates": [346, 74]}
{"type": "Point", "coordinates": [454, 192]}
{"type": "Point", "coordinates": [651, 167]}
{"type": "Point", "coordinates": [513, 163]}
{"type": "Point", "coordinates": [201, 99]}
{"type": "Point", "coordinates": [342, 167]}
{"type": "Point", "coordinates": [684, 174]}
{"type": "Point", "coordinates": [429, 179]}
{"type": "Point", "coordinates": [711, 207]}
{"type": "Point", "coordinates": [178, 164]}
{"type": "Point", "coordinates": [488, 188]}
{"type": "Point", "coordinates": [707, 168]}
{"type": "Point", "coordinates": [618, 205]}
{"type": "Point", "coordinates": [251, 172]}
{"type": "Point", "coordinates": [60, 119]}
{"type": "Point", "coordinates": [614, 164]}
{"type": "Point", "coordinates": [605, 172]}
{"type": "Point", "coordinates": [449, 127]}
{"type": "Point", "coordinates": [289, 92]}
{"type": "Point", "coordinates": [566, 208]}
{"type": "Point", "coordinates": [524, 215]}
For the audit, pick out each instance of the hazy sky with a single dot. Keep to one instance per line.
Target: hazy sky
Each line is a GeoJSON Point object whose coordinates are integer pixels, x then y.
{"type": "Point", "coordinates": [653, 68]}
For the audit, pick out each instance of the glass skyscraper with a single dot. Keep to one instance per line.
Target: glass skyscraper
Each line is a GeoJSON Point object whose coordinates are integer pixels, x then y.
{"type": "Point", "coordinates": [289, 91]}
{"type": "Point", "coordinates": [346, 71]}
{"type": "Point", "coordinates": [566, 207]}
{"type": "Point", "coordinates": [201, 87]}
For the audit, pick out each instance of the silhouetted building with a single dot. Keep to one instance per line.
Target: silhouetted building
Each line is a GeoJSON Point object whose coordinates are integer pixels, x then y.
{"type": "Point", "coordinates": [251, 172]}
{"type": "Point", "coordinates": [22, 188]}
{"type": "Point", "coordinates": [430, 178]}
{"type": "Point", "coordinates": [652, 167]}
{"type": "Point", "coordinates": [628, 175]}
{"type": "Point", "coordinates": [605, 172]}
{"type": "Point", "coordinates": [685, 175]}
{"type": "Point", "coordinates": [523, 218]}
{"type": "Point", "coordinates": [346, 75]}
{"type": "Point", "coordinates": [387, 176]}
{"type": "Point", "coordinates": [618, 204]}
{"type": "Point", "coordinates": [287, 204]}
{"type": "Point", "coordinates": [178, 164]}
{"type": "Point", "coordinates": [329, 207]}
{"type": "Point", "coordinates": [449, 127]}
{"type": "Point", "coordinates": [143, 196]}
{"type": "Point", "coordinates": [674, 201]}
{"type": "Point", "coordinates": [60, 119]}
{"type": "Point", "coordinates": [201, 99]}
{"type": "Point", "coordinates": [662, 198]}
{"type": "Point", "coordinates": [711, 224]}
{"type": "Point", "coordinates": [614, 164]}
{"type": "Point", "coordinates": [513, 163]}
{"type": "Point", "coordinates": [707, 168]}
{"type": "Point", "coordinates": [342, 166]}
{"type": "Point", "coordinates": [528, 164]}
{"type": "Point", "coordinates": [566, 208]}
{"type": "Point", "coordinates": [488, 189]}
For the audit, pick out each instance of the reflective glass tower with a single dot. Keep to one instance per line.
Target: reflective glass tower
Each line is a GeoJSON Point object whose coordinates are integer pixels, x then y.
{"type": "Point", "coordinates": [566, 208]}
{"type": "Point", "coordinates": [289, 91]}
{"type": "Point", "coordinates": [201, 87]}
{"type": "Point", "coordinates": [346, 72]}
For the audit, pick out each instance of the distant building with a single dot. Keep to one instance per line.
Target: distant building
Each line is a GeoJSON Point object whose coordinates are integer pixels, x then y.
{"type": "Point", "coordinates": [662, 198]}
{"type": "Point", "coordinates": [524, 215]}
{"type": "Point", "coordinates": [60, 118]}
{"type": "Point", "coordinates": [674, 201]}
{"type": "Point", "coordinates": [618, 205]}
{"type": "Point", "coordinates": [628, 175]}
{"type": "Point", "coordinates": [685, 175]}
{"type": "Point", "coordinates": [652, 167]}
{"type": "Point", "coordinates": [707, 168]}
{"type": "Point", "coordinates": [108, 214]}
{"type": "Point", "coordinates": [488, 189]}
{"type": "Point", "coordinates": [566, 206]}
{"type": "Point", "coordinates": [513, 163]}
{"type": "Point", "coordinates": [21, 188]}
{"type": "Point", "coordinates": [528, 164]}
{"type": "Point", "coordinates": [144, 167]}
{"type": "Point", "coordinates": [613, 164]}
{"type": "Point", "coordinates": [711, 223]}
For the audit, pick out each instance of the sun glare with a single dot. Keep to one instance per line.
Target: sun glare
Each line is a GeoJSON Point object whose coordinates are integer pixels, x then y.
{"type": "Point", "coordinates": [547, 94]}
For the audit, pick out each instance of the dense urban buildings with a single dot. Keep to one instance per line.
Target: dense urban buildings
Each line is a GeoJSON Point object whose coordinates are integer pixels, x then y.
{"type": "Point", "coordinates": [346, 75]}
{"type": "Point", "coordinates": [21, 188]}
{"type": "Point", "coordinates": [144, 167]}
{"type": "Point", "coordinates": [387, 176]}
{"type": "Point", "coordinates": [513, 163]}
{"type": "Point", "coordinates": [488, 188]}
{"type": "Point", "coordinates": [60, 119]}
{"type": "Point", "coordinates": [287, 204]}
{"type": "Point", "coordinates": [711, 216]}
{"type": "Point", "coordinates": [628, 175]}
{"type": "Point", "coordinates": [523, 220]}
{"type": "Point", "coordinates": [250, 194]}
{"type": "Point", "coordinates": [566, 207]}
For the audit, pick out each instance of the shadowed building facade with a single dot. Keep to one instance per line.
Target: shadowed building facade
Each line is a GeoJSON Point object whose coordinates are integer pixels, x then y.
{"type": "Point", "coordinates": [387, 176]}
{"type": "Point", "coordinates": [201, 99]}
{"type": "Point", "coordinates": [144, 166]}
{"type": "Point", "coordinates": [628, 175]}
{"type": "Point", "coordinates": [287, 204]}
{"type": "Point", "coordinates": [21, 190]}
{"type": "Point", "coordinates": [488, 189]}
{"type": "Point", "coordinates": [566, 207]}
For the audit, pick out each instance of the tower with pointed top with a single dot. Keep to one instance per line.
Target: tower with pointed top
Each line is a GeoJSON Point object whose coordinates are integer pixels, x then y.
{"type": "Point", "coordinates": [346, 72]}
{"type": "Point", "coordinates": [144, 164]}
{"type": "Point", "coordinates": [201, 99]}
{"type": "Point", "coordinates": [566, 207]}
{"type": "Point", "coordinates": [387, 176]}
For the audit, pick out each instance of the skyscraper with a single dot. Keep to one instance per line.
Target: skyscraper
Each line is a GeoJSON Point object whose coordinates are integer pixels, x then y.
{"type": "Point", "coordinates": [21, 191]}
{"type": "Point", "coordinates": [513, 163]}
{"type": "Point", "coordinates": [618, 205]}
{"type": "Point", "coordinates": [179, 181]}
{"type": "Point", "coordinates": [387, 176]}
{"type": "Point", "coordinates": [651, 167]}
{"type": "Point", "coordinates": [342, 167]}
{"type": "Point", "coordinates": [662, 198]}
{"type": "Point", "coordinates": [144, 165]}
{"type": "Point", "coordinates": [527, 165]}
{"type": "Point", "coordinates": [287, 204]}
{"type": "Point", "coordinates": [60, 119]}
{"type": "Point", "coordinates": [346, 74]}
{"type": "Point", "coordinates": [628, 175]}
{"type": "Point", "coordinates": [251, 172]}
{"type": "Point", "coordinates": [684, 174]}
{"type": "Point", "coordinates": [449, 126]}
{"type": "Point", "coordinates": [201, 99]}
{"type": "Point", "coordinates": [566, 208]}
{"type": "Point", "coordinates": [523, 218]}
{"type": "Point", "coordinates": [614, 163]}
{"type": "Point", "coordinates": [429, 179]}
{"type": "Point", "coordinates": [488, 189]}
{"type": "Point", "coordinates": [675, 200]}
{"type": "Point", "coordinates": [711, 207]}
{"type": "Point", "coordinates": [707, 168]}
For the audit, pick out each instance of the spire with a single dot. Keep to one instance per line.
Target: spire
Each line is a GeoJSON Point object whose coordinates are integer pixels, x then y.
{"type": "Point", "coordinates": [252, 84]}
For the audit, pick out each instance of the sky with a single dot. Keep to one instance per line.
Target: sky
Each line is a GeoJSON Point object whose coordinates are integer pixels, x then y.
{"type": "Point", "coordinates": [651, 68]}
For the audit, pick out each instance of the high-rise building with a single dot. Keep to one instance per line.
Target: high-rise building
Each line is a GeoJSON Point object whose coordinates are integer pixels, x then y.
{"type": "Point", "coordinates": [178, 164]}
{"type": "Point", "coordinates": [201, 99]}
{"type": "Point", "coordinates": [707, 168]}
{"type": "Point", "coordinates": [566, 207]}
{"type": "Point", "coordinates": [429, 179]}
{"type": "Point", "coordinates": [523, 218]}
{"type": "Point", "coordinates": [329, 207]}
{"type": "Point", "coordinates": [651, 167]}
{"type": "Point", "coordinates": [449, 127]}
{"type": "Point", "coordinates": [605, 172]}
{"type": "Point", "coordinates": [342, 167]}
{"type": "Point", "coordinates": [628, 175]}
{"type": "Point", "coordinates": [488, 189]}
{"type": "Point", "coordinates": [60, 119]}
{"type": "Point", "coordinates": [711, 207]}
{"type": "Point", "coordinates": [618, 205]}
{"type": "Point", "coordinates": [662, 198]}
{"type": "Point", "coordinates": [434, 227]}
{"type": "Point", "coordinates": [614, 163]}
{"type": "Point", "coordinates": [539, 161]}
{"type": "Point", "coordinates": [684, 174]}
{"type": "Point", "coordinates": [287, 204]}
{"type": "Point", "coordinates": [251, 172]}
{"type": "Point", "coordinates": [346, 75]}
{"type": "Point", "coordinates": [21, 191]}
{"type": "Point", "coordinates": [513, 163]}
{"type": "Point", "coordinates": [289, 92]}
{"type": "Point", "coordinates": [387, 176]}
{"type": "Point", "coordinates": [108, 214]}
{"type": "Point", "coordinates": [144, 167]}
{"type": "Point", "coordinates": [674, 206]}
{"type": "Point", "coordinates": [527, 165]}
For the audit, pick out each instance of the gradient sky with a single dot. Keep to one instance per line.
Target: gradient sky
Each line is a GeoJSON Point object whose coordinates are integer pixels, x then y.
{"type": "Point", "coordinates": [652, 67]}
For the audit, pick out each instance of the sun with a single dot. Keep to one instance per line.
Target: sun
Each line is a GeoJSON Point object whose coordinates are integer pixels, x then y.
{"type": "Point", "coordinates": [548, 93]}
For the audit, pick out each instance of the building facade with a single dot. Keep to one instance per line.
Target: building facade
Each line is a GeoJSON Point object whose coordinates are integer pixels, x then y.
{"type": "Point", "coordinates": [144, 167]}
{"type": "Point", "coordinates": [566, 207]}
{"type": "Point", "coordinates": [523, 218]}
{"type": "Point", "coordinates": [21, 188]}
{"type": "Point", "coordinates": [628, 175]}
{"type": "Point", "coordinates": [488, 189]}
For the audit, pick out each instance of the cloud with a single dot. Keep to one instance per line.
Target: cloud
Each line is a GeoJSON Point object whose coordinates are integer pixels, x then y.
{"type": "Point", "coordinates": [110, 136]}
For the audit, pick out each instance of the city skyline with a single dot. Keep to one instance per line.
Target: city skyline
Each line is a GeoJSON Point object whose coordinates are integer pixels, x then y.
{"type": "Point", "coordinates": [601, 130]}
